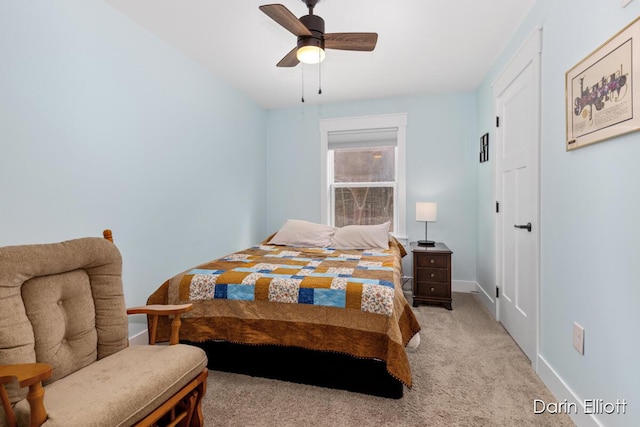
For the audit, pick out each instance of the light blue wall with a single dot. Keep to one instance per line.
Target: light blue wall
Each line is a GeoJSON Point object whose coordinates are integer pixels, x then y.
{"type": "Point", "coordinates": [442, 160]}
{"type": "Point", "coordinates": [102, 125]}
{"type": "Point", "coordinates": [485, 275]}
{"type": "Point", "coordinates": [589, 217]}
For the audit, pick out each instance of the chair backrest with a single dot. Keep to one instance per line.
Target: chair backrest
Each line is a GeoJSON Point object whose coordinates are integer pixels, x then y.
{"type": "Point", "coordinates": [61, 304]}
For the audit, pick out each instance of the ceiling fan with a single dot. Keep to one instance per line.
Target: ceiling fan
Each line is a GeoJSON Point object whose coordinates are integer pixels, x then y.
{"type": "Point", "coordinates": [312, 40]}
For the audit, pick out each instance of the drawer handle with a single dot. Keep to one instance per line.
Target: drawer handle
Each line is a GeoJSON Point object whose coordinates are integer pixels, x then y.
{"type": "Point", "coordinates": [432, 261]}
{"type": "Point", "coordinates": [433, 275]}
{"type": "Point", "coordinates": [433, 289]}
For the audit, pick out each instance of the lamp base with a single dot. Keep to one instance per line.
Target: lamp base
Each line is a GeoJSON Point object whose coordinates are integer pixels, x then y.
{"type": "Point", "coordinates": [426, 243]}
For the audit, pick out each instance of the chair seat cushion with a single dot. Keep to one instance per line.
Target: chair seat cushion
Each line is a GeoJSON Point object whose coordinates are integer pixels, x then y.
{"type": "Point", "coordinates": [120, 389]}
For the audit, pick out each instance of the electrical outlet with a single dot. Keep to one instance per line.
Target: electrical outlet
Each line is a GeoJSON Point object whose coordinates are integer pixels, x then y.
{"type": "Point", "coordinates": [578, 338]}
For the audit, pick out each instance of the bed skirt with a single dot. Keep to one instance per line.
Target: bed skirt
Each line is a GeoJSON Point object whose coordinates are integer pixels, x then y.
{"type": "Point", "coordinates": [312, 367]}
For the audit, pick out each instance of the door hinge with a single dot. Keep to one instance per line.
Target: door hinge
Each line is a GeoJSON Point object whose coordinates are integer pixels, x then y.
{"type": "Point", "coordinates": [497, 207]}
{"type": "Point", "coordinates": [497, 121]}
{"type": "Point", "coordinates": [497, 292]}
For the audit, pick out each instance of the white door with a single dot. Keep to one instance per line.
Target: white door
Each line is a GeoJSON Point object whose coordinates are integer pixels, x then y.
{"type": "Point", "coordinates": [517, 101]}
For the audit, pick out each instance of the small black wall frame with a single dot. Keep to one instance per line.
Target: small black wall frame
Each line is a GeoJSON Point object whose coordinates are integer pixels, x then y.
{"type": "Point", "coordinates": [484, 148]}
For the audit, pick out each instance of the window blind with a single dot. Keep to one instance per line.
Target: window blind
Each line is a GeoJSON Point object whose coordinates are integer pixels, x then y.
{"type": "Point", "coordinates": [362, 138]}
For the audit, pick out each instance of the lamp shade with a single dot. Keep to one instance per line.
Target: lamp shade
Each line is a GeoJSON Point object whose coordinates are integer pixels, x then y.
{"type": "Point", "coordinates": [426, 211]}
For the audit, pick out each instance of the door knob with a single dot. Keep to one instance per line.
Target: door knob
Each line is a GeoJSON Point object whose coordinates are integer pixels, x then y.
{"type": "Point", "coordinates": [528, 226]}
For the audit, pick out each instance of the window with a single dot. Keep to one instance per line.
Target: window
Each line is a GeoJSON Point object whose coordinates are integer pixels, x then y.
{"type": "Point", "coordinates": [363, 164]}
{"type": "Point", "coordinates": [362, 178]}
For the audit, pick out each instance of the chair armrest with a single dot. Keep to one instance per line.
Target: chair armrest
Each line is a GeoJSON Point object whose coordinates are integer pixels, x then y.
{"type": "Point", "coordinates": [162, 310]}
{"type": "Point", "coordinates": [28, 375]}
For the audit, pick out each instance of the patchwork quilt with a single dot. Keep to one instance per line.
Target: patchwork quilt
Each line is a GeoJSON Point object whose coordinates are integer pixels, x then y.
{"type": "Point", "coordinates": [348, 302]}
{"type": "Point", "coordinates": [281, 274]}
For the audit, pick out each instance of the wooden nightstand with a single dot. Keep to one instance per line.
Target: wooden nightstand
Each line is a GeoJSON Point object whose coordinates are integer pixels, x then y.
{"type": "Point", "coordinates": [431, 274]}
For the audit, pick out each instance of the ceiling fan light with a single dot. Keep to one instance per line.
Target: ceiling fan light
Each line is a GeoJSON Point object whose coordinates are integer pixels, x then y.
{"type": "Point", "coordinates": [310, 54]}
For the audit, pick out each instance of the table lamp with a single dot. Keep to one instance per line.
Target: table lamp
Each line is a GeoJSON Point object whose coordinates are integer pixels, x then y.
{"type": "Point", "coordinates": [426, 211]}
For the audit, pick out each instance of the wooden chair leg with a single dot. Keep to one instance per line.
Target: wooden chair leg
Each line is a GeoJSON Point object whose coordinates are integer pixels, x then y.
{"type": "Point", "coordinates": [28, 375]}
{"type": "Point", "coordinates": [198, 417]}
{"type": "Point", "coordinates": [8, 410]}
{"type": "Point", "coordinates": [35, 397]}
{"type": "Point", "coordinates": [154, 328]}
{"type": "Point", "coordinates": [191, 406]}
{"type": "Point", "coordinates": [175, 330]}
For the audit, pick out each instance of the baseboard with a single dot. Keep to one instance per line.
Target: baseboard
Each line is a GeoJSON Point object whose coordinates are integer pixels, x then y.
{"type": "Point", "coordinates": [138, 337]}
{"type": "Point", "coordinates": [563, 393]}
{"type": "Point", "coordinates": [463, 286]}
{"type": "Point", "coordinates": [485, 299]}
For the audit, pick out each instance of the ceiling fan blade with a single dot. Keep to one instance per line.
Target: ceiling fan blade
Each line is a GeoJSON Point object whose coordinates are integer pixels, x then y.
{"type": "Point", "coordinates": [284, 17]}
{"type": "Point", "coordinates": [351, 41]}
{"type": "Point", "coordinates": [290, 59]}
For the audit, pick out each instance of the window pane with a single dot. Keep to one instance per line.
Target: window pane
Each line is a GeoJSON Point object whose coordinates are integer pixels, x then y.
{"type": "Point", "coordinates": [364, 165]}
{"type": "Point", "coordinates": [363, 206]}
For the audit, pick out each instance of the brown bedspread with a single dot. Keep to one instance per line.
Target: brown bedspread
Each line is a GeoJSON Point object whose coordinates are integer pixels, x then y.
{"type": "Point", "coordinates": [356, 328]}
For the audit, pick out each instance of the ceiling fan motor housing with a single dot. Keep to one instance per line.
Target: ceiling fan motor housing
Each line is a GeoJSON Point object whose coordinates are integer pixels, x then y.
{"type": "Point", "coordinates": [315, 24]}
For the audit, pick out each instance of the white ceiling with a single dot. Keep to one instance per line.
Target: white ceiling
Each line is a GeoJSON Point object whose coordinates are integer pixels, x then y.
{"type": "Point", "coordinates": [424, 46]}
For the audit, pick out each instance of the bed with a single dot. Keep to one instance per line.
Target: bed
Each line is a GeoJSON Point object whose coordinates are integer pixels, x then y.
{"type": "Point", "coordinates": [317, 311]}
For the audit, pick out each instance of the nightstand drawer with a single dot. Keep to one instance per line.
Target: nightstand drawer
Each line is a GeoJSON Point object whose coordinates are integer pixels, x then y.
{"type": "Point", "coordinates": [432, 260]}
{"type": "Point", "coordinates": [432, 275]}
{"type": "Point", "coordinates": [441, 290]}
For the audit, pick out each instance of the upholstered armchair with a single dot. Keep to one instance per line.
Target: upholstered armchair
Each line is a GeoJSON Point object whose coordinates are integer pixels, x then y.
{"type": "Point", "coordinates": [64, 353]}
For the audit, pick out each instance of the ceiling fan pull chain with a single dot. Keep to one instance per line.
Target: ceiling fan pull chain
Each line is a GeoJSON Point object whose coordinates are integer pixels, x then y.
{"type": "Point", "coordinates": [319, 75]}
{"type": "Point", "coordinates": [302, 68]}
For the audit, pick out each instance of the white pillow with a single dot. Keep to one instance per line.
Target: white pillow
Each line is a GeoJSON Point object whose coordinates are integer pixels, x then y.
{"type": "Point", "coordinates": [362, 237]}
{"type": "Point", "coordinates": [296, 232]}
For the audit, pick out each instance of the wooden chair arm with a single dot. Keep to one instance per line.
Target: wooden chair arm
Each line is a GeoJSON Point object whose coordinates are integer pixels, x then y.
{"type": "Point", "coordinates": [161, 309]}
{"type": "Point", "coordinates": [28, 375]}
{"type": "Point", "coordinates": [156, 310]}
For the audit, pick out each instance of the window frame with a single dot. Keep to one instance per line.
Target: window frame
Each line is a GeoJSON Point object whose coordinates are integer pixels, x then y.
{"type": "Point", "coordinates": [398, 121]}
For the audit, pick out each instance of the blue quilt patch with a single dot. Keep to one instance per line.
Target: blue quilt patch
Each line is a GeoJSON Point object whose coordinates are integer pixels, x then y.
{"type": "Point", "coordinates": [240, 292]}
{"type": "Point", "coordinates": [305, 296]}
{"type": "Point", "coordinates": [330, 297]}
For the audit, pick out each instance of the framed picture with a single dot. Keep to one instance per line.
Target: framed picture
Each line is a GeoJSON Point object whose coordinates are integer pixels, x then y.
{"type": "Point", "coordinates": [602, 97]}
{"type": "Point", "coordinates": [484, 148]}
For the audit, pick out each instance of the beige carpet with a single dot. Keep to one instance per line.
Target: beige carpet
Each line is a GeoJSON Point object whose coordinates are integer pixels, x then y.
{"type": "Point", "coordinates": [466, 372]}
